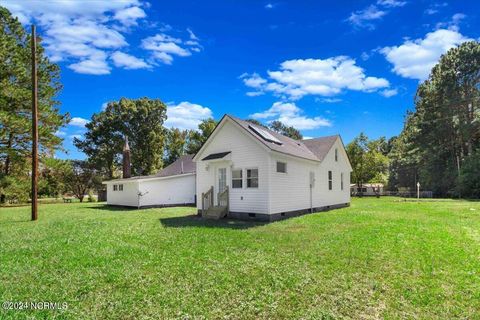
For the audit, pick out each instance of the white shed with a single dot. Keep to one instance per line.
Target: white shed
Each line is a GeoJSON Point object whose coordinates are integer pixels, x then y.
{"type": "Point", "coordinates": [173, 186]}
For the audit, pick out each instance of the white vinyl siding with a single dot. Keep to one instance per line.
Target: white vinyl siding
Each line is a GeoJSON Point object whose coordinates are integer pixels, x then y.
{"type": "Point", "coordinates": [245, 154]}
{"type": "Point", "coordinates": [289, 192]}
{"type": "Point", "coordinates": [178, 189]}
{"type": "Point", "coordinates": [126, 198]}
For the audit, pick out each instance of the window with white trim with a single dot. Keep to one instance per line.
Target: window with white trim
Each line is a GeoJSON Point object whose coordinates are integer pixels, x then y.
{"type": "Point", "coordinates": [237, 178]}
{"type": "Point", "coordinates": [252, 178]}
{"type": "Point", "coordinates": [330, 180]}
{"type": "Point", "coordinates": [115, 187]}
{"type": "Point", "coordinates": [281, 167]}
{"type": "Point", "coordinates": [120, 187]}
{"type": "Point", "coordinates": [341, 181]}
{"type": "Point", "coordinates": [336, 154]}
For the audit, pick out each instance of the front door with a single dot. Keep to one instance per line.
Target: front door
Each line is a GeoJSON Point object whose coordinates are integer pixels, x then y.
{"type": "Point", "coordinates": [222, 180]}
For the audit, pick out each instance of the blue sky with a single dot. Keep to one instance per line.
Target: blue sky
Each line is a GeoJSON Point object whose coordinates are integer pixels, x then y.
{"type": "Point", "coordinates": [325, 67]}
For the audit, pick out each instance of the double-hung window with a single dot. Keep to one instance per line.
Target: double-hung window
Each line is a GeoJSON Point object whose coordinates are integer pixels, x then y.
{"type": "Point", "coordinates": [341, 181]}
{"type": "Point", "coordinates": [115, 187]}
{"type": "Point", "coordinates": [252, 178]}
{"type": "Point", "coordinates": [120, 187]}
{"type": "Point", "coordinates": [330, 180]}
{"type": "Point", "coordinates": [237, 178]}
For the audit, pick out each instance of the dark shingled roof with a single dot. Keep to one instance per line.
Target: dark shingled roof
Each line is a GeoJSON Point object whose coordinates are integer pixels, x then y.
{"type": "Point", "coordinates": [172, 170]}
{"type": "Point", "coordinates": [311, 149]}
{"type": "Point", "coordinates": [176, 167]}
{"type": "Point", "coordinates": [320, 146]}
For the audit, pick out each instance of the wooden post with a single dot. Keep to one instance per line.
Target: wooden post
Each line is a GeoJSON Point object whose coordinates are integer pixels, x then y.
{"type": "Point", "coordinates": [34, 126]}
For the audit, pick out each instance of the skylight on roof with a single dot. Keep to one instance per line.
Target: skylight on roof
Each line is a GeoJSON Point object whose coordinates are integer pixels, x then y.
{"type": "Point", "coordinates": [265, 135]}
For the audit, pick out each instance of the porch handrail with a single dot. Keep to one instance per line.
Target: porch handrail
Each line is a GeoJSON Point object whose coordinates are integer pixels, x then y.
{"type": "Point", "coordinates": [223, 198]}
{"type": "Point", "coordinates": [207, 200]}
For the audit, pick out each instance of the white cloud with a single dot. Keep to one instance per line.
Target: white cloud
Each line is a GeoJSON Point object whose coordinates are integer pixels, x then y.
{"type": "Point", "coordinates": [60, 133]}
{"type": "Point", "coordinates": [278, 108]}
{"type": "Point", "coordinates": [363, 18]}
{"type": "Point", "coordinates": [95, 64]}
{"type": "Point", "coordinates": [322, 77]}
{"type": "Point", "coordinates": [78, 122]}
{"type": "Point", "coordinates": [163, 47]}
{"type": "Point", "coordinates": [104, 106]}
{"type": "Point", "coordinates": [269, 6]}
{"type": "Point", "coordinates": [391, 3]}
{"type": "Point", "coordinates": [129, 16]}
{"type": "Point", "coordinates": [126, 61]}
{"type": "Point", "coordinates": [186, 115]}
{"type": "Point", "coordinates": [253, 80]}
{"type": "Point", "coordinates": [328, 100]}
{"type": "Point", "coordinates": [434, 8]}
{"type": "Point", "coordinates": [79, 32]}
{"type": "Point", "coordinates": [415, 58]}
{"type": "Point", "coordinates": [453, 23]}
{"type": "Point", "coordinates": [254, 93]}
{"type": "Point", "coordinates": [291, 115]}
{"type": "Point", "coordinates": [192, 35]}
{"type": "Point", "coordinates": [389, 93]}
{"type": "Point", "coordinates": [85, 34]}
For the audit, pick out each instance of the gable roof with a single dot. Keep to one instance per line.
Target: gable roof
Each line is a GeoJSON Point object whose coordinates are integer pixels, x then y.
{"type": "Point", "coordinates": [320, 146]}
{"type": "Point", "coordinates": [177, 167]}
{"type": "Point", "coordinates": [183, 165]}
{"type": "Point", "coordinates": [311, 149]}
{"type": "Point", "coordinates": [288, 145]}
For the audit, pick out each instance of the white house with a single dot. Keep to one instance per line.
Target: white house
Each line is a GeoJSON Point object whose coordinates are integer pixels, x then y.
{"type": "Point", "coordinates": [249, 172]}
{"type": "Point", "coordinates": [173, 186]}
{"type": "Point", "coordinates": [367, 189]}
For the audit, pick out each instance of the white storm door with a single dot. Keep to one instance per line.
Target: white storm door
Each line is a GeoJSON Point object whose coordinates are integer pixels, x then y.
{"type": "Point", "coordinates": [222, 179]}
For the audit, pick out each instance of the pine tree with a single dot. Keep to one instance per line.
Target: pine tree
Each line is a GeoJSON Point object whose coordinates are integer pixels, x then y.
{"type": "Point", "coordinates": [15, 102]}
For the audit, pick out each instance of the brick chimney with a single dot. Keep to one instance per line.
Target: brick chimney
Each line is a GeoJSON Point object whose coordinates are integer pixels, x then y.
{"type": "Point", "coordinates": [126, 160]}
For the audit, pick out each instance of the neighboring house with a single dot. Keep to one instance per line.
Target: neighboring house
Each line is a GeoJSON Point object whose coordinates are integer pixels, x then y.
{"type": "Point", "coordinates": [174, 185]}
{"type": "Point", "coordinates": [367, 189]}
{"type": "Point", "coordinates": [249, 172]}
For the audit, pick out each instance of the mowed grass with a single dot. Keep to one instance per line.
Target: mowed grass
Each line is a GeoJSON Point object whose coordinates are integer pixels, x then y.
{"type": "Point", "coordinates": [379, 258]}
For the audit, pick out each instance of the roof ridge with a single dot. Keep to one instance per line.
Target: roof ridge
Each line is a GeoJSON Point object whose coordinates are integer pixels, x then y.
{"type": "Point", "coordinates": [322, 137]}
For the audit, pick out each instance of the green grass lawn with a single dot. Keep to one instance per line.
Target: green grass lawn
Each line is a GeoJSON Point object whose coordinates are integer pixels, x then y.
{"type": "Point", "coordinates": [379, 258]}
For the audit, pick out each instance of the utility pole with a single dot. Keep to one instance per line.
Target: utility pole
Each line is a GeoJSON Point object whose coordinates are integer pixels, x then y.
{"type": "Point", "coordinates": [34, 126]}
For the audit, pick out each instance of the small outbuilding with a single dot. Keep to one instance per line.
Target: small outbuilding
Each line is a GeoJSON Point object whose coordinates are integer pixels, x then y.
{"type": "Point", "coordinates": [172, 186]}
{"type": "Point", "coordinates": [367, 189]}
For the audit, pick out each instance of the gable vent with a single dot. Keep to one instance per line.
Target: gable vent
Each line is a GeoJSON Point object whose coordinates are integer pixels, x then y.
{"type": "Point", "coordinates": [265, 135]}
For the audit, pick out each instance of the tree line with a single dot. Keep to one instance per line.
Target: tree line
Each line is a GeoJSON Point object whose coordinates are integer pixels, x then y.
{"type": "Point", "coordinates": [153, 146]}
{"type": "Point", "coordinates": [439, 146]}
